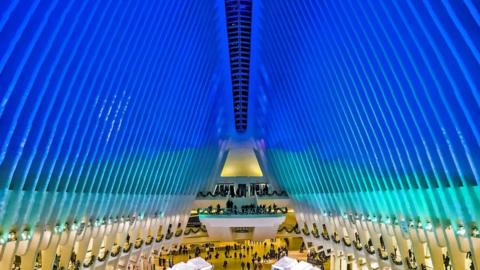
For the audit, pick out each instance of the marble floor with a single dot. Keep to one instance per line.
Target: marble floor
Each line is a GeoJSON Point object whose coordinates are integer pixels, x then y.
{"type": "Point", "coordinates": [235, 263]}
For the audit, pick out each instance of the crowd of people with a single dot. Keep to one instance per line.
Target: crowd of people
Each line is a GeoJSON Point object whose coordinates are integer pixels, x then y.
{"type": "Point", "coordinates": [244, 255]}
{"type": "Point", "coordinates": [241, 191]}
{"type": "Point", "coordinates": [231, 208]}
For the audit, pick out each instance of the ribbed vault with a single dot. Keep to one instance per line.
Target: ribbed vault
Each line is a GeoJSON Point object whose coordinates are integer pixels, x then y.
{"type": "Point", "coordinates": [114, 108]}
{"type": "Point", "coordinates": [108, 108]}
{"type": "Point", "coordinates": [372, 107]}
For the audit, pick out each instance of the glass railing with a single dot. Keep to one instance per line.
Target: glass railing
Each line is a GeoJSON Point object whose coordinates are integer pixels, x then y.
{"type": "Point", "coordinates": [210, 194]}
{"type": "Point", "coordinates": [243, 211]}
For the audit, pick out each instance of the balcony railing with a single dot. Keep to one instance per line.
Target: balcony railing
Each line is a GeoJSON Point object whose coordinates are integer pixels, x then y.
{"type": "Point", "coordinates": [395, 259]}
{"type": "Point", "coordinates": [89, 262]}
{"type": "Point", "coordinates": [289, 229]}
{"type": "Point", "coordinates": [265, 211]}
{"type": "Point", "coordinates": [194, 230]}
{"type": "Point", "coordinates": [227, 194]}
{"type": "Point", "coordinates": [102, 258]}
{"type": "Point", "coordinates": [115, 250]}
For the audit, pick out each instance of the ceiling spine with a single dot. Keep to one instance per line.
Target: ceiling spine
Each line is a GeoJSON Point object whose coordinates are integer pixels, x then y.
{"type": "Point", "coordinates": [239, 25]}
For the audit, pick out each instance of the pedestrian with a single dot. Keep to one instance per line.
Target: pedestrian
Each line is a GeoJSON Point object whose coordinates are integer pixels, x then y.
{"type": "Point", "coordinates": [248, 265]}
{"type": "Point", "coordinates": [225, 264]}
{"type": "Point", "coordinates": [243, 265]}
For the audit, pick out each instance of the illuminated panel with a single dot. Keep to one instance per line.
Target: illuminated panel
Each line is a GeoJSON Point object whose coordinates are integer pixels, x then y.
{"type": "Point", "coordinates": [373, 106]}
{"type": "Point", "coordinates": [241, 162]}
{"type": "Point", "coordinates": [108, 108]}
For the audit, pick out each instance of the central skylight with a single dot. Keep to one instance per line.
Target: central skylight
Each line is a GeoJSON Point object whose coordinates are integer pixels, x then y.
{"type": "Point", "coordinates": [239, 24]}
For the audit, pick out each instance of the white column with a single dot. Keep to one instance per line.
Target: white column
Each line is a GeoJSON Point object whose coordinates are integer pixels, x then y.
{"type": "Point", "coordinates": [48, 255]}
{"type": "Point", "coordinates": [343, 262]}
{"type": "Point", "coordinates": [435, 251]}
{"type": "Point", "coordinates": [66, 250]}
{"type": "Point", "coordinates": [475, 248]}
{"type": "Point", "coordinates": [28, 260]}
{"type": "Point", "coordinates": [457, 257]}
{"type": "Point", "coordinates": [8, 255]}
{"type": "Point", "coordinates": [332, 262]}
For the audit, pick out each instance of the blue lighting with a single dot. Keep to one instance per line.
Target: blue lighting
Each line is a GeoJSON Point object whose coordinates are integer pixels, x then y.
{"type": "Point", "coordinates": [367, 103]}
{"type": "Point", "coordinates": [116, 108]}
{"type": "Point", "coordinates": [121, 98]}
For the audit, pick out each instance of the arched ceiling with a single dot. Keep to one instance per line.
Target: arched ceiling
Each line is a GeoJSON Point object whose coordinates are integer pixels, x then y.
{"type": "Point", "coordinates": [120, 107]}
{"type": "Point", "coordinates": [372, 107]}
{"type": "Point", "coordinates": [119, 98]}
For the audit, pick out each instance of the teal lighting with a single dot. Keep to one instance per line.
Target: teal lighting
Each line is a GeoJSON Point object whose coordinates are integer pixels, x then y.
{"type": "Point", "coordinates": [124, 108]}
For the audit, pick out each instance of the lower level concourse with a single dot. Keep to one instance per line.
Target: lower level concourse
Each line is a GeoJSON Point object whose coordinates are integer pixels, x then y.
{"type": "Point", "coordinates": [241, 255]}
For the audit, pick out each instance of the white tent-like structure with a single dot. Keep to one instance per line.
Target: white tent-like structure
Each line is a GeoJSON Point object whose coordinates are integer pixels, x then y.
{"type": "Point", "coordinates": [200, 264]}
{"type": "Point", "coordinates": [303, 266]}
{"type": "Point", "coordinates": [183, 266]}
{"type": "Point", "coordinates": [285, 263]}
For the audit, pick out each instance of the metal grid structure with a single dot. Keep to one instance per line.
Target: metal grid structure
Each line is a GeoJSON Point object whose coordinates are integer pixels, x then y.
{"type": "Point", "coordinates": [239, 25]}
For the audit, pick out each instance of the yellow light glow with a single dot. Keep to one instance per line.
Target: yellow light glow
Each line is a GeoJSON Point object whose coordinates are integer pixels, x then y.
{"type": "Point", "coordinates": [241, 162]}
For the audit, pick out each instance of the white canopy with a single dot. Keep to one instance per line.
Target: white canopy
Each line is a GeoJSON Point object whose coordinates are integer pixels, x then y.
{"type": "Point", "coordinates": [303, 266]}
{"type": "Point", "coordinates": [285, 263]}
{"type": "Point", "coordinates": [200, 264]}
{"type": "Point", "coordinates": [183, 266]}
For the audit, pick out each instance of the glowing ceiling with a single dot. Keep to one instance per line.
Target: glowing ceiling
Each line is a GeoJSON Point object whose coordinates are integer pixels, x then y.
{"type": "Point", "coordinates": [120, 107]}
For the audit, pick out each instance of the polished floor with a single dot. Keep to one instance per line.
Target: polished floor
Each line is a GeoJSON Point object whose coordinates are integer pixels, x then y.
{"type": "Point", "coordinates": [235, 263]}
